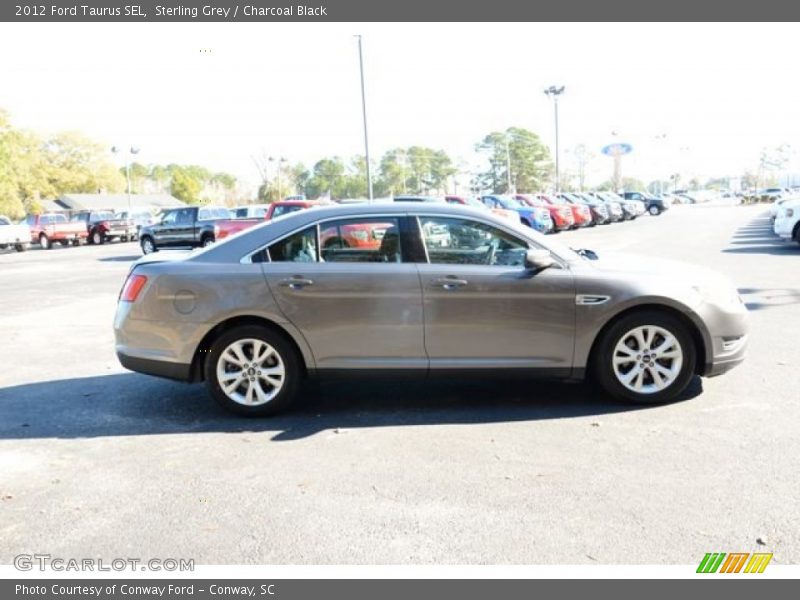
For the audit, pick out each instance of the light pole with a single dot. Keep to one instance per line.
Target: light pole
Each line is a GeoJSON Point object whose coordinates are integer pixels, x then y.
{"type": "Point", "coordinates": [554, 92]}
{"type": "Point", "coordinates": [661, 137]}
{"type": "Point", "coordinates": [364, 113]}
{"type": "Point", "coordinates": [133, 150]}
{"type": "Point", "coordinates": [279, 162]}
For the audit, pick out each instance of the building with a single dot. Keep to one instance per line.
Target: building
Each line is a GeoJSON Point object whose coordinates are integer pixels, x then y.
{"type": "Point", "coordinates": [116, 202]}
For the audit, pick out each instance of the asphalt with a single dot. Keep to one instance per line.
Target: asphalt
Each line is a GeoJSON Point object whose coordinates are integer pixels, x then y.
{"type": "Point", "coordinates": [96, 461]}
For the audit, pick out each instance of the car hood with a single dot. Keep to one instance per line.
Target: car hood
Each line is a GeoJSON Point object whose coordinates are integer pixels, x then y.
{"type": "Point", "coordinates": [648, 267]}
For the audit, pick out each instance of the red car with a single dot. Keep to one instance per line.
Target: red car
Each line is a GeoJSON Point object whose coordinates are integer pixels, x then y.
{"type": "Point", "coordinates": [54, 227]}
{"type": "Point", "coordinates": [580, 212]}
{"type": "Point", "coordinates": [224, 228]}
{"type": "Point", "coordinates": [561, 215]}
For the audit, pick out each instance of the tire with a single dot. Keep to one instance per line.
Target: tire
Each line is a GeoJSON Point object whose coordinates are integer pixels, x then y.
{"type": "Point", "coordinates": [674, 369]}
{"type": "Point", "coordinates": [796, 233]}
{"type": "Point", "coordinates": [148, 245]}
{"type": "Point", "coordinates": [654, 210]}
{"type": "Point", "coordinates": [265, 398]}
{"type": "Point", "coordinates": [44, 242]}
{"type": "Point", "coordinates": [64, 243]}
{"type": "Point", "coordinates": [3, 246]}
{"type": "Point", "coordinates": [98, 238]}
{"type": "Point", "coordinates": [206, 241]}
{"type": "Point", "coordinates": [21, 247]}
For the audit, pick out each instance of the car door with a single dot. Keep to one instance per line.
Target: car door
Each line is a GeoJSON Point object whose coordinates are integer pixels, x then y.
{"type": "Point", "coordinates": [163, 229]}
{"type": "Point", "coordinates": [183, 232]}
{"type": "Point", "coordinates": [347, 285]}
{"type": "Point", "coordinates": [484, 309]}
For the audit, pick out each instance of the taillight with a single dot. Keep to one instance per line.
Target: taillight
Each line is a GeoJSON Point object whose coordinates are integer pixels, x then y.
{"type": "Point", "coordinates": [133, 286]}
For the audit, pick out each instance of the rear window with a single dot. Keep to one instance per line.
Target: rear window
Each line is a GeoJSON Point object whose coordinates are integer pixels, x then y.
{"type": "Point", "coordinates": [285, 210]}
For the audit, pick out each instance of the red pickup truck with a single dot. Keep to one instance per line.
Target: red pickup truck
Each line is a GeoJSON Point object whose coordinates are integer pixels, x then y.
{"type": "Point", "coordinates": [226, 227]}
{"type": "Point", "coordinates": [54, 227]}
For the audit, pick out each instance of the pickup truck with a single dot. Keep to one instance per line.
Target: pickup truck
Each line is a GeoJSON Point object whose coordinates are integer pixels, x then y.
{"type": "Point", "coordinates": [224, 229]}
{"type": "Point", "coordinates": [54, 227]}
{"type": "Point", "coordinates": [103, 226]}
{"type": "Point", "coordinates": [186, 227]}
{"type": "Point", "coordinates": [18, 236]}
{"type": "Point", "coordinates": [655, 206]}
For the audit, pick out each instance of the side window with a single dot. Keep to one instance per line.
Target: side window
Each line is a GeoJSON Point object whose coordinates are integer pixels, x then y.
{"type": "Point", "coordinates": [375, 239]}
{"type": "Point", "coordinates": [300, 247]}
{"type": "Point", "coordinates": [169, 218]}
{"type": "Point", "coordinates": [184, 216]}
{"type": "Point", "coordinates": [466, 242]}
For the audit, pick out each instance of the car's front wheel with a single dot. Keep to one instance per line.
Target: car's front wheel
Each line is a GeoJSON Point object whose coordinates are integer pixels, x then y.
{"type": "Point", "coordinates": [44, 242]}
{"type": "Point", "coordinates": [654, 210]}
{"type": "Point", "coordinates": [253, 371]}
{"type": "Point", "coordinates": [148, 246]}
{"type": "Point", "coordinates": [646, 357]}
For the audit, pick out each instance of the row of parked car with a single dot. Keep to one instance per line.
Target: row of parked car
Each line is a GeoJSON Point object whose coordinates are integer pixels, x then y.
{"type": "Point", "coordinates": [199, 226]}
{"type": "Point", "coordinates": [194, 226]}
{"type": "Point", "coordinates": [87, 226]}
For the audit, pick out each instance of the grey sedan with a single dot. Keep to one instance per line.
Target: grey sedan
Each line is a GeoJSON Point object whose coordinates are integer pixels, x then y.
{"type": "Point", "coordinates": [420, 288]}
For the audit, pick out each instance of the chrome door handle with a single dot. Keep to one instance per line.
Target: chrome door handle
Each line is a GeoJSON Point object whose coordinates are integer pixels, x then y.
{"type": "Point", "coordinates": [450, 283]}
{"type": "Point", "coordinates": [296, 283]}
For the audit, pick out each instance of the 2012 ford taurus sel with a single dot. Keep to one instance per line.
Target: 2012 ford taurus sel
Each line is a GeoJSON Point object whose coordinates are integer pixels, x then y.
{"type": "Point", "coordinates": [420, 287]}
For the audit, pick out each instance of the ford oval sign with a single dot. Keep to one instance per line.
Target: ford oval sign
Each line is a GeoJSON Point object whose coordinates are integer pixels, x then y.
{"type": "Point", "coordinates": [617, 149]}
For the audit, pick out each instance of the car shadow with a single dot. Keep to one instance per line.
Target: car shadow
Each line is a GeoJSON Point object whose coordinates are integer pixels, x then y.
{"type": "Point", "coordinates": [769, 297]}
{"type": "Point", "coordinates": [120, 258]}
{"type": "Point", "coordinates": [131, 404]}
{"type": "Point", "coordinates": [757, 237]}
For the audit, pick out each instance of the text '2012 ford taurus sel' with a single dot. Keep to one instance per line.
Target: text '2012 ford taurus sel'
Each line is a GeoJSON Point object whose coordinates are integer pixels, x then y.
{"type": "Point", "coordinates": [420, 287]}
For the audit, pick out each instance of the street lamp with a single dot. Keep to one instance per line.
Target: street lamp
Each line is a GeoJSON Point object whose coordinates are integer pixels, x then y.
{"type": "Point", "coordinates": [133, 150]}
{"type": "Point", "coordinates": [280, 161]}
{"type": "Point", "coordinates": [364, 113]}
{"type": "Point", "coordinates": [554, 92]}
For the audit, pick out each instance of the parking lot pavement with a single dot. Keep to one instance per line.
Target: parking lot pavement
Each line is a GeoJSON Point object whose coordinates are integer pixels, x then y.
{"type": "Point", "coordinates": [99, 462]}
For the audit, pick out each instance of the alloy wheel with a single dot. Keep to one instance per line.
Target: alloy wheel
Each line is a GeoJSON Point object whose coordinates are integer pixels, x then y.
{"type": "Point", "coordinates": [647, 359]}
{"type": "Point", "coordinates": [251, 372]}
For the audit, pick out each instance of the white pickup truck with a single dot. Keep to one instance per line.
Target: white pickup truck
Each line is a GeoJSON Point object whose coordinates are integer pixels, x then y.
{"type": "Point", "coordinates": [787, 221]}
{"type": "Point", "coordinates": [18, 236]}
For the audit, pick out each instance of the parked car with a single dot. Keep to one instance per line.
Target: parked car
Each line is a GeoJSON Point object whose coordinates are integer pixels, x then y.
{"type": "Point", "coordinates": [49, 228]}
{"type": "Point", "coordinates": [11, 234]}
{"type": "Point", "coordinates": [475, 203]}
{"type": "Point", "coordinates": [103, 226]}
{"type": "Point", "coordinates": [536, 217]}
{"type": "Point", "coordinates": [138, 218]}
{"type": "Point", "coordinates": [250, 211]}
{"type": "Point", "coordinates": [613, 202]}
{"type": "Point", "coordinates": [642, 328]}
{"type": "Point", "coordinates": [560, 215]}
{"type": "Point", "coordinates": [228, 227]}
{"type": "Point", "coordinates": [654, 206]}
{"type": "Point", "coordinates": [598, 212]}
{"type": "Point", "coordinates": [417, 198]}
{"type": "Point", "coordinates": [185, 227]}
{"type": "Point", "coordinates": [787, 221]}
{"type": "Point", "coordinates": [581, 215]}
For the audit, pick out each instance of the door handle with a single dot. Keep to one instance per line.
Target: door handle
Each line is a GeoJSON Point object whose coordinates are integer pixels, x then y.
{"type": "Point", "coordinates": [450, 283]}
{"type": "Point", "coordinates": [296, 283]}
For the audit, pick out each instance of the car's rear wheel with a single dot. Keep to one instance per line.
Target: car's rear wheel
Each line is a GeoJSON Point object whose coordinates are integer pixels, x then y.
{"type": "Point", "coordinates": [253, 371]}
{"type": "Point", "coordinates": [44, 242]}
{"type": "Point", "coordinates": [646, 357]}
{"type": "Point", "coordinates": [654, 210]}
{"type": "Point", "coordinates": [207, 241]}
{"type": "Point", "coordinates": [21, 247]}
{"type": "Point", "coordinates": [148, 247]}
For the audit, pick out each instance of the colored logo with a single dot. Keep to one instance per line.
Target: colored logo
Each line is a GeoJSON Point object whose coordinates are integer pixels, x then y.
{"type": "Point", "coordinates": [735, 562]}
{"type": "Point", "coordinates": [617, 149]}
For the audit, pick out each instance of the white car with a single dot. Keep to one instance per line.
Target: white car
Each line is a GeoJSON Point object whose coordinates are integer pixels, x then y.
{"type": "Point", "coordinates": [250, 211]}
{"type": "Point", "coordinates": [787, 221]}
{"type": "Point", "coordinates": [18, 236]}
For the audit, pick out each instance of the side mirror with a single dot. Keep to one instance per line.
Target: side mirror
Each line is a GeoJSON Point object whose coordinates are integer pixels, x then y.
{"type": "Point", "coordinates": [536, 260]}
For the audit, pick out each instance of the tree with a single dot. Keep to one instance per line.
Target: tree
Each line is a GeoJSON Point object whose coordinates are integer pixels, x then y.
{"type": "Point", "coordinates": [522, 151]}
{"type": "Point", "coordinates": [185, 185]}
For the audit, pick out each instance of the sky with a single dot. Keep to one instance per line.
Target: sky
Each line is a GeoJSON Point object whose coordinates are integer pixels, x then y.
{"type": "Point", "coordinates": [216, 94]}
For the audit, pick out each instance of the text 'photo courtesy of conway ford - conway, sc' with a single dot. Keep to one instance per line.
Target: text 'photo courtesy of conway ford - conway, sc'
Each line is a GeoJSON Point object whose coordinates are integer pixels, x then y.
{"type": "Point", "coordinates": [420, 287]}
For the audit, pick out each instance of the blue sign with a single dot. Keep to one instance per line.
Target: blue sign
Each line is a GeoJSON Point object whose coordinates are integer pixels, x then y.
{"type": "Point", "coordinates": [617, 149]}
